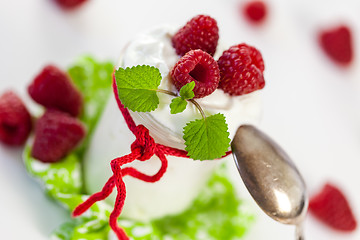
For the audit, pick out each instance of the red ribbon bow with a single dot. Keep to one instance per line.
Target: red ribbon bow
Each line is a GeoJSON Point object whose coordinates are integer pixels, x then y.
{"type": "Point", "coordinates": [143, 148]}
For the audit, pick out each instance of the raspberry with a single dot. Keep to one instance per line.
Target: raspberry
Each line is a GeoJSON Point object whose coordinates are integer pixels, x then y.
{"type": "Point", "coordinates": [241, 70]}
{"type": "Point", "coordinates": [255, 11]}
{"type": "Point", "coordinates": [337, 44]}
{"type": "Point", "coordinates": [53, 88]}
{"type": "Point", "coordinates": [15, 120]}
{"type": "Point", "coordinates": [200, 67]}
{"type": "Point", "coordinates": [69, 4]}
{"type": "Point", "coordinates": [330, 206]}
{"type": "Point", "coordinates": [56, 134]}
{"type": "Point", "coordinates": [201, 32]}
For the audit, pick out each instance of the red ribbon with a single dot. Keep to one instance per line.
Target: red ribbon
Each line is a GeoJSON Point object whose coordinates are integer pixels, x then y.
{"type": "Point", "coordinates": [143, 148]}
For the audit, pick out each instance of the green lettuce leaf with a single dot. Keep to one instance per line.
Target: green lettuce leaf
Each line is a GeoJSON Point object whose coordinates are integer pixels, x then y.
{"type": "Point", "coordinates": [216, 213]}
{"type": "Point", "coordinates": [94, 80]}
{"type": "Point", "coordinates": [63, 180]}
{"type": "Point", "coordinates": [76, 231]}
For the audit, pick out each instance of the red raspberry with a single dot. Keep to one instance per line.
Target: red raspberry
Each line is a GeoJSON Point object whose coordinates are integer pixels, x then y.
{"type": "Point", "coordinates": [69, 4]}
{"type": "Point", "coordinates": [53, 88]}
{"type": "Point", "coordinates": [200, 67]}
{"type": "Point", "coordinates": [330, 206]}
{"type": "Point", "coordinates": [337, 43]}
{"type": "Point", "coordinates": [15, 120]}
{"type": "Point", "coordinates": [241, 70]}
{"type": "Point", "coordinates": [56, 134]}
{"type": "Point", "coordinates": [255, 11]}
{"type": "Point", "coordinates": [201, 32]}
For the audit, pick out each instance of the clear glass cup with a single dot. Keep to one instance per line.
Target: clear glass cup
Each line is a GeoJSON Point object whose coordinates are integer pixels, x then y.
{"type": "Point", "coordinates": [175, 191]}
{"type": "Point", "coordinates": [184, 177]}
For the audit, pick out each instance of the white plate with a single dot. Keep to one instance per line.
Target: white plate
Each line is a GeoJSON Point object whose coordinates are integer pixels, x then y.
{"type": "Point", "coordinates": [311, 106]}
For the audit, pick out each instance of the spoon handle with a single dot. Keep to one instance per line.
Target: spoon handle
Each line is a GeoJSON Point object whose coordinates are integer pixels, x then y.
{"type": "Point", "coordinates": [299, 231]}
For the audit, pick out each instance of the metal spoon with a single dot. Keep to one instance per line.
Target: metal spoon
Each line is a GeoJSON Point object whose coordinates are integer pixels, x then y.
{"type": "Point", "coordinates": [271, 177]}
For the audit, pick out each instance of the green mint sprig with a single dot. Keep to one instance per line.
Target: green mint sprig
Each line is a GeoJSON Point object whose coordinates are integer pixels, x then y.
{"type": "Point", "coordinates": [205, 139]}
{"type": "Point", "coordinates": [179, 104]}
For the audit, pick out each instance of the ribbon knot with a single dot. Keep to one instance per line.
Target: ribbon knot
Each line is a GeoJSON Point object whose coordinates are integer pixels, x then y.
{"type": "Point", "coordinates": [144, 142]}
{"type": "Point", "coordinates": [143, 148]}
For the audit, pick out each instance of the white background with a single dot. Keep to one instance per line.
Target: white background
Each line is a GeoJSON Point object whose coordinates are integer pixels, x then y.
{"type": "Point", "coordinates": [311, 105]}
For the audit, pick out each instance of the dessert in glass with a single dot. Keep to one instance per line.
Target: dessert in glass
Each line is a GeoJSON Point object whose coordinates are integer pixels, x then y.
{"type": "Point", "coordinates": [185, 177]}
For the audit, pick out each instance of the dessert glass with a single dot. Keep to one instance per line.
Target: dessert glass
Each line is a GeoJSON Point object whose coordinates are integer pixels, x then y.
{"type": "Point", "coordinates": [184, 177]}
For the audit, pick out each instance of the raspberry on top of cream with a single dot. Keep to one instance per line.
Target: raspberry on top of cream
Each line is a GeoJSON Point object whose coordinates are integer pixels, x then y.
{"type": "Point", "coordinates": [154, 48]}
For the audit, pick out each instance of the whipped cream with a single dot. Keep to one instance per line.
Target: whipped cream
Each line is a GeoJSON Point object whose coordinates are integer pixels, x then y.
{"type": "Point", "coordinates": [184, 177]}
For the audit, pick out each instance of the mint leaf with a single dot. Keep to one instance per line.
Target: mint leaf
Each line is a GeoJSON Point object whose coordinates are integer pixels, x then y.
{"type": "Point", "coordinates": [177, 105]}
{"type": "Point", "coordinates": [208, 138]}
{"type": "Point", "coordinates": [137, 87]}
{"type": "Point", "coordinates": [186, 92]}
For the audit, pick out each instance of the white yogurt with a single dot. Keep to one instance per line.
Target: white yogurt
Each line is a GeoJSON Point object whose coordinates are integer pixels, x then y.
{"type": "Point", "coordinates": [184, 178]}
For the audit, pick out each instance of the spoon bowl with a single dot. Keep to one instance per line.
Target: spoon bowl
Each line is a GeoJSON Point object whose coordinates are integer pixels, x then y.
{"type": "Point", "coordinates": [270, 176]}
